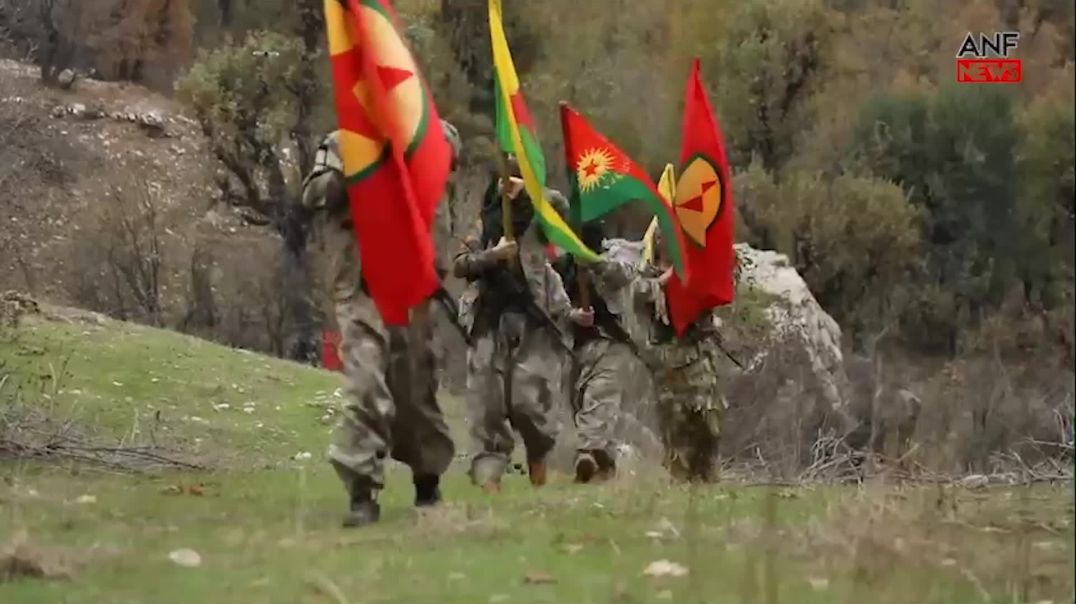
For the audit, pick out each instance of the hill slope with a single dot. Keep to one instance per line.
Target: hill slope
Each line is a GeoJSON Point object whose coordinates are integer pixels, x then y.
{"type": "Point", "coordinates": [110, 200]}
{"type": "Point", "coordinates": [120, 382]}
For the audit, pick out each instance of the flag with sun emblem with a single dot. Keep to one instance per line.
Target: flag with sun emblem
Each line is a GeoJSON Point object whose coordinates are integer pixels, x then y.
{"type": "Point", "coordinates": [516, 134]}
{"type": "Point", "coordinates": [603, 178]}
{"type": "Point", "coordinates": [395, 163]}
{"type": "Point", "coordinates": [704, 206]}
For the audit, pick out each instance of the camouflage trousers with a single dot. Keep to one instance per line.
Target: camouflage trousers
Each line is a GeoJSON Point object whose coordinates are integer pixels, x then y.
{"type": "Point", "coordinates": [598, 381]}
{"type": "Point", "coordinates": [690, 408]}
{"type": "Point", "coordinates": [512, 374]}
{"type": "Point", "coordinates": [391, 406]}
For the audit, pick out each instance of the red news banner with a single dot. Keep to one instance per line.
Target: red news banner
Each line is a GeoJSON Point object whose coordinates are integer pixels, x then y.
{"type": "Point", "coordinates": [989, 71]}
{"type": "Point", "coordinates": [984, 59]}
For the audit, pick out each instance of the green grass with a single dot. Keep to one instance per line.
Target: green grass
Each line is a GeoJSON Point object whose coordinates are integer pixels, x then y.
{"type": "Point", "coordinates": [142, 384]}
{"type": "Point", "coordinates": [267, 527]}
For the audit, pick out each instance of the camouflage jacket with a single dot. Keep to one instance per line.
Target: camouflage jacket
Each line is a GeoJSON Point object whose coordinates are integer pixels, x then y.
{"type": "Point", "coordinates": [611, 278]}
{"type": "Point", "coordinates": [543, 283]}
{"type": "Point", "coordinates": [648, 324]}
{"type": "Point", "coordinates": [332, 242]}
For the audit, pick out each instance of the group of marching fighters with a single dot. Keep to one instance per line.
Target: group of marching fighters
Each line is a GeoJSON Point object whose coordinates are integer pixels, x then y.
{"type": "Point", "coordinates": [378, 199]}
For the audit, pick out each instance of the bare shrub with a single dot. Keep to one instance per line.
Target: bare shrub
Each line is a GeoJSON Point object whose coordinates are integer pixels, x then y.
{"type": "Point", "coordinates": [984, 412]}
{"type": "Point", "coordinates": [119, 264]}
{"type": "Point", "coordinates": [248, 280]}
{"type": "Point", "coordinates": [202, 314]}
{"type": "Point", "coordinates": [988, 416]}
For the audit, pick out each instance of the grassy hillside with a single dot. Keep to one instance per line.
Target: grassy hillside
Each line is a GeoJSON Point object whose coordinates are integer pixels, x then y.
{"type": "Point", "coordinates": [265, 525]}
{"type": "Point", "coordinates": [214, 405]}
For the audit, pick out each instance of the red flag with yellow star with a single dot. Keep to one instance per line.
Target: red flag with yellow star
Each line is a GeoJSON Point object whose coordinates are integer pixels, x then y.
{"type": "Point", "coordinates": [705, 209]}
{"type": "Point", "coordinates": [395, 155]}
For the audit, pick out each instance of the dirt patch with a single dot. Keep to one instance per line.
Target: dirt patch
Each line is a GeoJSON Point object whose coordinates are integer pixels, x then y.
{"type": "Point", "coordinates": [20, 558]}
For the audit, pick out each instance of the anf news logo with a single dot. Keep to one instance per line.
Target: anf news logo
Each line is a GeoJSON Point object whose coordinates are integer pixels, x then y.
{"type": "Point", "coordinates": [984, 59]}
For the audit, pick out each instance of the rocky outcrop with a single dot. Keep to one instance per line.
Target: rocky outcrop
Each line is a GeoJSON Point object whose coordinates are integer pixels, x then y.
{"type": "Point", "coordinates": [797, 318]}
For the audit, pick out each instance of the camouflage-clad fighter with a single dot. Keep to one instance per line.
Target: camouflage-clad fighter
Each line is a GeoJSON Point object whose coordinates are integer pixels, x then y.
{"type": "Point", "coordinates": [392, 407]}
{"type": "Point", "coordinates": [690, 402]}
{"type": "Point", "coordinates": [603, 355]}
{"type": "Point", "coordinates": [516, 310]}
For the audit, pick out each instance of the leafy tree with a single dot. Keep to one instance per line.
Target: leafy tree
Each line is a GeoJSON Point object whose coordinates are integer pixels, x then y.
{"type": "Point", "coordinates": [854, 239]}
{"type": "Point", "coordinates": [250, 101]}
{"type": "Point", "coordinates": [1047, 155]}
{"type": "Point", "coordinates": [953, 153]}
{"type": "Point", "coordinates": [244, 97]}
{"type": "Point", "coordinates": [769, 66]}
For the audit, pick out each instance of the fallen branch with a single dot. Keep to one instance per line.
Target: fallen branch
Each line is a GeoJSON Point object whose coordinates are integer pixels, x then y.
{"type": "Point", "coordinates": [106, 456]}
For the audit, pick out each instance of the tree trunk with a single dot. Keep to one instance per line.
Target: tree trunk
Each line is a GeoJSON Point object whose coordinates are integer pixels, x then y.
{"type": "Point", "coordinates": [311, 30]}
{"type": "Point", "coordinates": [202, 307]}
{"type": "Point", "coordinates": [288, 221]}
{"type": "Point", "coordinates": [225, 8]}
{"type": "Point", "coordinates": [298, 285]}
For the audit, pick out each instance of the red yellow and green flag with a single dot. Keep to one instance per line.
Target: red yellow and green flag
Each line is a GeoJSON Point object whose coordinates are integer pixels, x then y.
{"type": "Point", "coordinates": [396, 165]}
{"type": "Point", "coordinates": [516, 134]}
{"type": "Point", "coordinates": [604, 178]}
{"type": "Point", "coordinates": [706, 211]}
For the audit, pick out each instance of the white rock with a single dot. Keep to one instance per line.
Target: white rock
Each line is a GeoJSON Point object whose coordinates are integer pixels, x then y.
{"type": "Point", "coordinates": [664, 530]}
{"type": "Point", "coordinates": [186, 557]}
{"type": "Point", "coordinates": [818, 583]}
{"type": "Point", "coordinates": [665, 568]}
{"type": "Point", "coordinates": [798, 316]}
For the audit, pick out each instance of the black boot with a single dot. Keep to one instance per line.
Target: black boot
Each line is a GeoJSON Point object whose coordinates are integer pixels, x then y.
{"type": "Point", "coordinates": [586, 466]}
{"type": "Point", "coordinates": [427, 490]}
{"type": "Point", "coordinates": [364, 509]}
{"type": "Point", "coordinates": [606, 466]}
